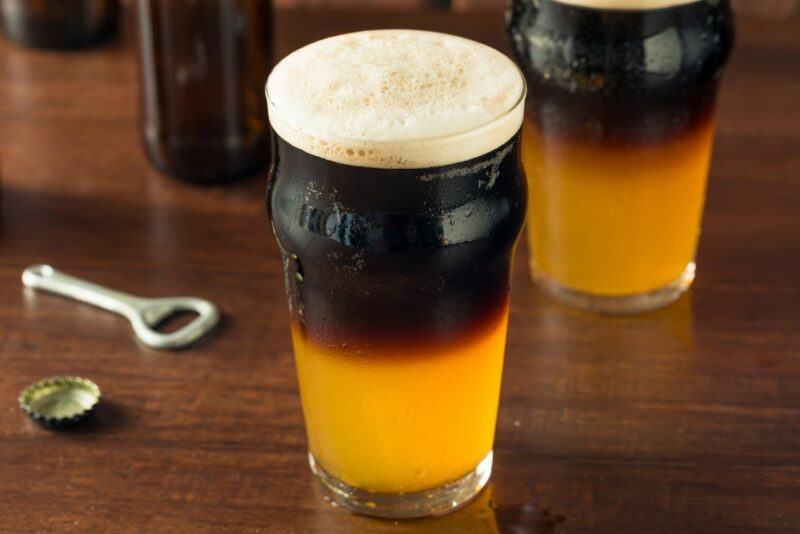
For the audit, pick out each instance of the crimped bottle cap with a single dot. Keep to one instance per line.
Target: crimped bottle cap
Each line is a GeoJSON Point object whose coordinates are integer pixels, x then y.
{"type": "Point", "coordinates": [60, 402]}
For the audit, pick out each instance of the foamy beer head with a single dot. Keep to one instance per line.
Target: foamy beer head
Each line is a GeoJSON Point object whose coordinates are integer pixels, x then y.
{"type": "Point", "coordinates": [396, 99]}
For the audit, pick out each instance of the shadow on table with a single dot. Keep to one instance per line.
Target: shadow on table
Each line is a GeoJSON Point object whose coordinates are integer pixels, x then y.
{"type": "Point", "coordinates": [108, 417]}
{"type": "Point", "coordinates": [487, 514]}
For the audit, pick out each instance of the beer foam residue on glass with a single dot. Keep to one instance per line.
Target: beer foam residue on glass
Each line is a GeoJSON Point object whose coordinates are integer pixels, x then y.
{"type": "Point", "coordinates": [396, 99]}
{"type": "Point", "coordinates": [626, 4]}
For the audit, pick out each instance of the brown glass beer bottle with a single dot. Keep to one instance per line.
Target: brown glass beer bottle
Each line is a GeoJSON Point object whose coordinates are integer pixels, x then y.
{"type": "Point", "coordinates": [203, 66]}
{"type": "Point", "coordinates": [59, 23]}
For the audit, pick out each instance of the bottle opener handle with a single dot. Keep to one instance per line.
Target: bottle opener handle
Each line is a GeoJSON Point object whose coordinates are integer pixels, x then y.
{"type": "Point", "coordinates": [143, 314]}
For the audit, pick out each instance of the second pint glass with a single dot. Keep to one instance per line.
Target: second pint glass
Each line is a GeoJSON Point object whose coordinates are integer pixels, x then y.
{"type": "Point", "coordinates": [618, 135]}
{"type": "Point", "coordinates": [397, 197]}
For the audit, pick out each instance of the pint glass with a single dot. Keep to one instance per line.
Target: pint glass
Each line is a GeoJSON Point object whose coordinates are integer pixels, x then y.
{"type": "Point", "coordinates": [396, 196]}
{"type": "Point", "coordinates": [617, 142]}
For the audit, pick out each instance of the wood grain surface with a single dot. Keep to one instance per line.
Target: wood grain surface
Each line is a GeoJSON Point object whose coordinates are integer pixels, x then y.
{"type": "Point", "coordinates": [683, 420]}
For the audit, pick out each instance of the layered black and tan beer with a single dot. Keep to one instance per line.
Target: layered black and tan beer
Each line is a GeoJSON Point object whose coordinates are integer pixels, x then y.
{"type": "Point", "coordinates": [397, 196]}
{"type": "Point", "coordinates": [618, 138]}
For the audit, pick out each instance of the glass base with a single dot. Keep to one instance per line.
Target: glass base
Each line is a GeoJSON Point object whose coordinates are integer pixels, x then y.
{"type": "Point", "coordinates": [620, 305]}
{"type": "Point", "coordinates": [435, 501]}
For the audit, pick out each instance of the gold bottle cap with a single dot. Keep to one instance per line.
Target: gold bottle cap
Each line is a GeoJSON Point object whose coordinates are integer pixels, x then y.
{"type": "Point", "coordinates": [60, 402]}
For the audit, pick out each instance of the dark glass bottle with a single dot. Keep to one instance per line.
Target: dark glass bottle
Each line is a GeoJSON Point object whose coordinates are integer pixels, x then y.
{"type": "Point", "coordinates": [203, 68]}
{"type": "Point", "coordinates": [59, 23]}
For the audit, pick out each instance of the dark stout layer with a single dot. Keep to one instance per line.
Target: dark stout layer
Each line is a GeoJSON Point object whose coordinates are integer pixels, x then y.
{"type": "Point", "coordinates": [382, 257]}
{"type": "Point", "coordinates": [621, 76]}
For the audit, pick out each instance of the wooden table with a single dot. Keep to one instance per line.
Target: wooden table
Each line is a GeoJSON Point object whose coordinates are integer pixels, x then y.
{"type": "Point", "coordinates": [687, 419]}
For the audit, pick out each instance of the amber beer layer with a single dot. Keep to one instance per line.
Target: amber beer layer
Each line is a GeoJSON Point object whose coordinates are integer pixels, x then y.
{"type": "Point", "coordinates": [397, 196]}
{"type": "Point", "coordinates": [617, 142]}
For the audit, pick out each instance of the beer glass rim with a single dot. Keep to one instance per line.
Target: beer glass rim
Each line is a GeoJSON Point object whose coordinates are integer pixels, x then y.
{"type": "Point", "coordinates": [515, 107]}
{"type": "Point", "coordinates": [435, 144]}
{"type": "Point", "coordinates": [626, 5]}
{"type": "Point", "coordinates": [294, 133]}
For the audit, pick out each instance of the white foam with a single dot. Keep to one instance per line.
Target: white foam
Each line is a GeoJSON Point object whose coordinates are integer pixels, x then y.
{"type": "Point", "coordinates": [627, 4]}
{"type": "Point", "coordinates": [396, 99]}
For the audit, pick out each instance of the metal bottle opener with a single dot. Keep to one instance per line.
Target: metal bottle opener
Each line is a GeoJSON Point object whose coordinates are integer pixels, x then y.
{"type": "Point", "coordinates": [144, 314]}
